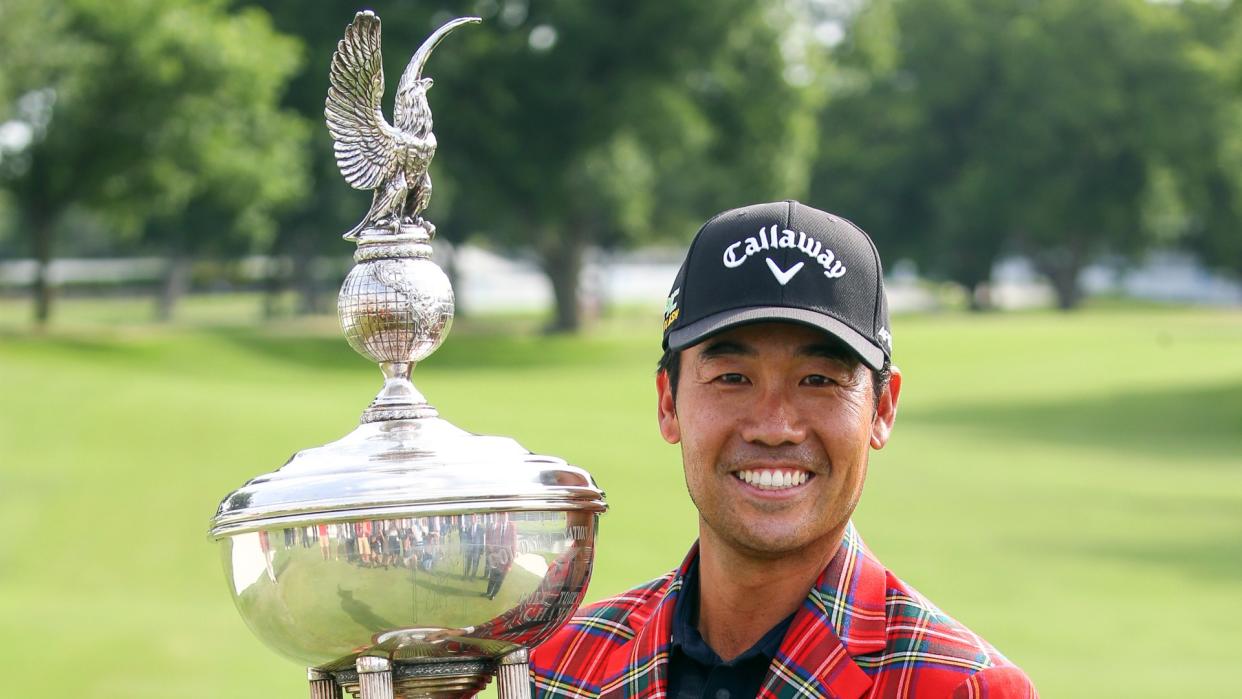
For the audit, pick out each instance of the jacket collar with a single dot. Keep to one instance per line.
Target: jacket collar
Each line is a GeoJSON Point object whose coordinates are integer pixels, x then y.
{"type": "Point", "coordinates": [841, 618]}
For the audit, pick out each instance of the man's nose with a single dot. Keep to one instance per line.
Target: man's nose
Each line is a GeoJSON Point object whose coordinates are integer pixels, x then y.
{"type": "Point", "coordinates": [774, 420]}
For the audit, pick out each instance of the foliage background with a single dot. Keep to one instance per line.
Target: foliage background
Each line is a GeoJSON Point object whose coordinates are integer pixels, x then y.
{"type": "Point", "coordinates": [957, 132]}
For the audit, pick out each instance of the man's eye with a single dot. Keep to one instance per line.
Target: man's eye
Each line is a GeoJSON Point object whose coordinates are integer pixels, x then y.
{"type": "Point", "coordinates": [817, 380]}
{"type": "Point", "coordinates": [732, 379]}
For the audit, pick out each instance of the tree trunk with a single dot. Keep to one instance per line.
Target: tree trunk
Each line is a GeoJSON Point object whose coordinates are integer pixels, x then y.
{"type": "Point", "coordinates": [1065, 284]}
{"type": "Point", "coordinates": [973, 270]}
{"type": "Point", "coordinates": [174, 285]}
{"type": "Point", "coordinates": [979, 297]}
{"type": "Point", "coordinates": [42, 287]}
{"type": "Point", "coordinates": [273, 285]}
{"type": "Point", "coordinates": [307, 282]}
{"type": "Point", "coordinates": [562, 262]}
{"type": "Point", "coordinates": [1062, 266]}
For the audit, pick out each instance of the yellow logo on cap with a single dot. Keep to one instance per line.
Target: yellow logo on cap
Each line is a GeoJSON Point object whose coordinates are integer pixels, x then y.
{"type": "Point", "coordinates": [670, 308]}
{"type": "Point", "coordinates": [671, 317]}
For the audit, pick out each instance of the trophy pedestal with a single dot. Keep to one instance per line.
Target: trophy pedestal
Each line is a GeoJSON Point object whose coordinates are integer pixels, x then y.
{"type": "Point", "coordinates": [378, 678]}
{"type": "Point", "coordinates": [322, 686]}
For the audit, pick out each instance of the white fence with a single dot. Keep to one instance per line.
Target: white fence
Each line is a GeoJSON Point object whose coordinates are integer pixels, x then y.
{"type": "Point", "coordinates": [490, 281]}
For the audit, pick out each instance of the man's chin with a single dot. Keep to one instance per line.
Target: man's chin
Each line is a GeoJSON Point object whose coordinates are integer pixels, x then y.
{"type": "Point", "coordinates": [771, 545]}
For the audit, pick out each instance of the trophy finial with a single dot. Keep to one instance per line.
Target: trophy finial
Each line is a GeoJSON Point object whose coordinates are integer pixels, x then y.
{"type": "Point", "coordinates": [392, 161]}
{"type": "Point", "coordinates": [396, 305]}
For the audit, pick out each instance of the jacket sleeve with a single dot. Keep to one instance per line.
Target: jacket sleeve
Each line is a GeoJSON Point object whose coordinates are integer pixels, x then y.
{"type": "Point", "coordinates": [1004, 682]}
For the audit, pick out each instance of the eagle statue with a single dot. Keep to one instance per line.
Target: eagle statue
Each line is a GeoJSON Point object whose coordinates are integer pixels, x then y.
{"type": "Point", "coordinates": [392, 160]}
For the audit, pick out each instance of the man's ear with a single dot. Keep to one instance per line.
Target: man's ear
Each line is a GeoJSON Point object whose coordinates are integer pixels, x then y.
{"type": "Point", "coordinates": [666, 410]}
{"type": "Point", "coordinates": [886, 410]}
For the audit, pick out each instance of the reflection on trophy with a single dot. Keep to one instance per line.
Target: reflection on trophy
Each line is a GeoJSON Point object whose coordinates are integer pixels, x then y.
{"type": "Point", "coordinates": [409, 558]}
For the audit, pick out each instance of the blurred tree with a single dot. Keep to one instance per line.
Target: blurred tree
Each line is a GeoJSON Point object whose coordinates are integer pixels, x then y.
{"type": "Point", "coordinates": [1209, 203]}
{"type": "Point", "coordinates": [41, 62]}
{"type": "Point", "coordinates": [163, 107]}
{"type": "Point", "coordinates": [313, 225]}
{"type": "Point", "coordinates": [573, 124]}
{"type": "Point", "coordinates": [36, 53]}
{"type": "Point", "coordinates": [564, 125]}
{"type": "Point", "coordinates": [248, 157]}
{"type": "Point", "coordinates": [974, 126]}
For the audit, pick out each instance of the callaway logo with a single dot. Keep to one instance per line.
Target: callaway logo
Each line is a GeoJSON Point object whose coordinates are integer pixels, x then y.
{"type": "Point", "coordinates": [783, 277]}
{"type": "Point", "coordinates": [774, 239]}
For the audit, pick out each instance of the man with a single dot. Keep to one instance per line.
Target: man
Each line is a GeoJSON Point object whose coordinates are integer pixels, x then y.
{"type": "Point", "coordinates": [501, 545]}
{"type": "Point", "coordinates": [471, 545]}
{"type": "Point", "coordinates": [776, 381]}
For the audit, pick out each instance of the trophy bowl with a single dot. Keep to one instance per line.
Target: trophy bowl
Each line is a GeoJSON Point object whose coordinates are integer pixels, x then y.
{"type": "Point", "coordinates": [409, 587]}
{"type": "Point", "coordinates": [414, 541]}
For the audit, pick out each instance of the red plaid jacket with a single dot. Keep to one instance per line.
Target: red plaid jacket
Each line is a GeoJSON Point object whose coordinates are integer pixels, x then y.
{"type": "Point", "coordinates": [860, 633]}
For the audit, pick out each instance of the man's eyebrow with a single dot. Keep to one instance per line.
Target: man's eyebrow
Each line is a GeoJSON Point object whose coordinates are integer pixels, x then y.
{"type": "Point", "coordinates": [721, 348]}
{"type": "Point", "coordinates": [831, 351]}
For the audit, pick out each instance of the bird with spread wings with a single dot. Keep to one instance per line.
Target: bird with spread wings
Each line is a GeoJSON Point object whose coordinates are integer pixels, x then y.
{"type": "Point", "coordinates": [391, 160]}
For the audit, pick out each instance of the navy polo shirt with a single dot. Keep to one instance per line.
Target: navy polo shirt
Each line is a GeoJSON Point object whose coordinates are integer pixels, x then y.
{"type": "Point", "coordinates": [694, 669]}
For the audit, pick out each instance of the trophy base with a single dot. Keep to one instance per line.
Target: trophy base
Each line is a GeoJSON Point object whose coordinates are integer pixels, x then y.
{"type": "Point", "coordinates": [378, 678]}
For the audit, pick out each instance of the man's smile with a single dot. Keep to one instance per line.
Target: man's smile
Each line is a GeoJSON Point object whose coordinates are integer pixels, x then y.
{"type": "Point", "coordinates": [773, 478]}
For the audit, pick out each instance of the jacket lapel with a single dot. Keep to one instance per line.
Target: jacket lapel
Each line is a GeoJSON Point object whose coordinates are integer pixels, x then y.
{"type": "Point", "coordinates": [841, 618]}
{"type": "Point", "coordinates": [640, 668]}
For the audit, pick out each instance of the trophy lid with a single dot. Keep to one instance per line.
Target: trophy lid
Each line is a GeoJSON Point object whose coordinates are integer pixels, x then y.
{"type": "Point", "coordinates": [397, 468]}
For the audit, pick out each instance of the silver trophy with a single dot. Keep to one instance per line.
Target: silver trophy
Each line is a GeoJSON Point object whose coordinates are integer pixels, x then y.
{"type": "Point", "coordinates": [409, 558]}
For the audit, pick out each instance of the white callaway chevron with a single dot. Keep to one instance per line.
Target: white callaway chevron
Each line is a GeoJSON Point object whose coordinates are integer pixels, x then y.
{"type": "Point", "coordinates": [783, 277]}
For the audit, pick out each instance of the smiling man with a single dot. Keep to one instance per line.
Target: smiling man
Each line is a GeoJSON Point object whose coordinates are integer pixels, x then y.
{"type": "Point", "coordinates": [776, 381]}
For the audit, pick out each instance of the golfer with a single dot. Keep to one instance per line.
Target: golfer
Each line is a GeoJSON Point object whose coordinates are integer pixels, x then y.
{"type": "Point", "coordinates": [776, 381]}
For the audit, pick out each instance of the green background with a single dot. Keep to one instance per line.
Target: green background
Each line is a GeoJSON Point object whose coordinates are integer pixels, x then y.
{"type": "Point", "coordinates": [1070, 486]}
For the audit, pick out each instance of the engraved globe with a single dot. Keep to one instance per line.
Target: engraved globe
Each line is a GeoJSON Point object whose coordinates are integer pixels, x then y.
{"type": "Point", "coordinates": [396, 310]}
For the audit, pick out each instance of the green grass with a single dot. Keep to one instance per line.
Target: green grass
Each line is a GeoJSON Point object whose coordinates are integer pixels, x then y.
{"type": "Point", "coordinates": [1069, 486]}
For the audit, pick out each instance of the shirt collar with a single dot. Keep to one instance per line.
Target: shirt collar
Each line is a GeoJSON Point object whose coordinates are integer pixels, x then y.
{"type": "Point", "coordinates": [848, 597]}
{"type": "Point", "coordinates": [844, 611]}
{"type": "Point", "coordinates": [686, 634]}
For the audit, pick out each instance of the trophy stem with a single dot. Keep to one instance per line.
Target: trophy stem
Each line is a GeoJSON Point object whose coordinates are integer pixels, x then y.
{"type": "Point", "coordinates": [513, 675]}
{"type": "Point", "coordinates": [374, 678]}
{"type": "Point", "coordinates": [398, 399]}
{"type": "Point", "coordinates": [322, 686]}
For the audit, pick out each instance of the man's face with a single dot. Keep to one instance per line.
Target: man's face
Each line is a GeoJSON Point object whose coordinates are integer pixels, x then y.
{"type": "Point", "coordinates": [775, 425]}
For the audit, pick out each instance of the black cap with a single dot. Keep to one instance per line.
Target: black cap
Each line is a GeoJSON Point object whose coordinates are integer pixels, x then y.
{"type": "Point", "coordinates": [781, 261]}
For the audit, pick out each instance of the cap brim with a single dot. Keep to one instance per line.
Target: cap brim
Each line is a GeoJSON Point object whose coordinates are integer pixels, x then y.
{"type": "Point", "coordinates": [696, 332]}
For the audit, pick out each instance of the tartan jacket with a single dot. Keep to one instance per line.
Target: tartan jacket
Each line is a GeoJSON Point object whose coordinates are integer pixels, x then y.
{"type": "Point", "coordinates": [861, 632]}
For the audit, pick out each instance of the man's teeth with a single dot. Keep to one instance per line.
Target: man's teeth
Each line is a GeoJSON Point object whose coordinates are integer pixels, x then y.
{"type": "Point", "coordinates": [773, 480]}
